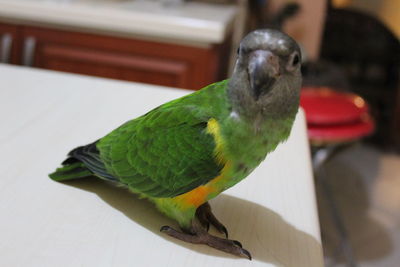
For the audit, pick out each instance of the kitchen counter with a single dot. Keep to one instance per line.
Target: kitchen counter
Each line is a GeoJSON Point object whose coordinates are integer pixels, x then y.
{"type": "Point", "coordinates": [89, 223]}
{"type": "Point", "coordinates": [191, 23]}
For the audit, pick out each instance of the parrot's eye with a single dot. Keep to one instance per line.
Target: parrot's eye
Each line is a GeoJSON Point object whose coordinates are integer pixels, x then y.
{"type": "Point", "coordinates": [294, 61]}
{"type": "Point", "coordinates": [238, 50]}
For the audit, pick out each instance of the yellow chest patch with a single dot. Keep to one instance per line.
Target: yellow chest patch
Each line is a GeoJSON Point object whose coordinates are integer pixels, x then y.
{"type": "Point", "coordinates": [214, 129]}
{"type": "Point", "coordinates": [201, 194]}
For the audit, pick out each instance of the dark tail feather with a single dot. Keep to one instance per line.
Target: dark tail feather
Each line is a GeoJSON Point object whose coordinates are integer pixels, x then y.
{"type": "Point", "coordinates": [71, 170]}
{"type": "Point", "coordinates": [83, 161]}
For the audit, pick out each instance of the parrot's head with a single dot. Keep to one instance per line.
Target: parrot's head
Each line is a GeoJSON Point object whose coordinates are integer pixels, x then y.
{"type": "Point", "coordinates": [267, 75]}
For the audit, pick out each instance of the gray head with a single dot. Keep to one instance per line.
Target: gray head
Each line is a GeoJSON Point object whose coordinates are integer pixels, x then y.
{"type": "Point", "coordinates": [267, 76]}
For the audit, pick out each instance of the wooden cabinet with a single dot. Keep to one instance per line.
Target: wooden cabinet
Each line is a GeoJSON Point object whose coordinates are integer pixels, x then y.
{"type": "Point", "coordinates": [9, 43]}
{"type": "Point", "coordinates": [120, 58]}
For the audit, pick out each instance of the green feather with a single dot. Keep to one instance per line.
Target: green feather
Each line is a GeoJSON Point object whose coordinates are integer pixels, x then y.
{"type": "Point", "coordinates": [71, 171]}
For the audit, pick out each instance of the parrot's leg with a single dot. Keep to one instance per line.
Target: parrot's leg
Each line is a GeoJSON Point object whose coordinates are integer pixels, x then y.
{"type": "Point", "coordinates": [206, 217]}
{"type": "Point", "coordinates": [198, 235]}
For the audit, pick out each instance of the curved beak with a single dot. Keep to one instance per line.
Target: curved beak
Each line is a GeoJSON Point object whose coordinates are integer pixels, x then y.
{"type": "Point", "coordinates": [263, 71]}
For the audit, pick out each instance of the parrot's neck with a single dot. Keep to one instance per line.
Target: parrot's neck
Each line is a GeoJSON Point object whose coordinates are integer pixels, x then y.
{"type": "Point", "coordinates": [245, 146]}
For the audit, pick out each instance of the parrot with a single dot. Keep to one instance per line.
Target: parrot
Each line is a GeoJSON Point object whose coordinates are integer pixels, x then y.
{"type": "Point", "coordinates": [187, 151]}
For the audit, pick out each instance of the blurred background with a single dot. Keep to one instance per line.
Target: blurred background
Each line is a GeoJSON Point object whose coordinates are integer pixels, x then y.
{"type": "Point", "coordinates": [351, 59]}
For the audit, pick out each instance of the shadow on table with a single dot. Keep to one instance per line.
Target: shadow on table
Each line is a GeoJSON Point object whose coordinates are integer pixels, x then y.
{"type": "Point", "coordinates": [263, 232]}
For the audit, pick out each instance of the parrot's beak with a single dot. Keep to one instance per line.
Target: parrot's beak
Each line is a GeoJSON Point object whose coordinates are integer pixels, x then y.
{"type": "Point", "coordinates": [263, 71]}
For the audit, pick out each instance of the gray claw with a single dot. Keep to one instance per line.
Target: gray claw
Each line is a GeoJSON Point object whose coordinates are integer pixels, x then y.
{"type": "Point", "coordinates": [246, 253]}
{"type": "Point", "coordinates": [237, 243]}
{"type": "Point", "coordinates": [206, 217]}
{"type": "Point", "coordinates": [224, 230]}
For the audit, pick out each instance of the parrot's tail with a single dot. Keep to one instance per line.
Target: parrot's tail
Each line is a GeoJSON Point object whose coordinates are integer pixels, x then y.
{"type": "Point", "coordinates": [73, 170]}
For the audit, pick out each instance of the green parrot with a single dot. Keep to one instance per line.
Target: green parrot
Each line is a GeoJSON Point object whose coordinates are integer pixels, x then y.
{"type": "Point", "coordinates": [187, 151]}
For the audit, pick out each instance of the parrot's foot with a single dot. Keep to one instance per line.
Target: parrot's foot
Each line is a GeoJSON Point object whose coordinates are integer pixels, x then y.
{"type": "Point", "coordinates": [198, 235]}
{"type": "Point", "coordinates": [206, 217]}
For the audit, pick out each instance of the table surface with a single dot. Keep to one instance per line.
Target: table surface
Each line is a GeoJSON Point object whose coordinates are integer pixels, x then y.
{"type": "Point", "coordinates": [87, 222]}
{"type": "Point", "coordinates": [191, 23]}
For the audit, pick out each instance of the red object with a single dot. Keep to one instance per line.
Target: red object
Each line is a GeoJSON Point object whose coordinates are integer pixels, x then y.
{"type": "Point", "coordinates": [325, 106]}
{"type": "Point", "coordinates": [334, 117]}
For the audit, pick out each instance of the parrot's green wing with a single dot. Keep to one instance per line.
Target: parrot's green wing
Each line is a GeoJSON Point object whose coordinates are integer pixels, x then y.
{"type": "Point", "coordinates": [164, 153]}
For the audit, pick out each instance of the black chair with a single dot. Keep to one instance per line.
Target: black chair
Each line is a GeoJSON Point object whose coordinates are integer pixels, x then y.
{"type": "Point", "coordinates": [369, 54]}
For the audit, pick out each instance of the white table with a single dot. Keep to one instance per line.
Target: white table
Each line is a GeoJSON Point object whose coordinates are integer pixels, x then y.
{"type": "Point", "coordinates": [89, 223]}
